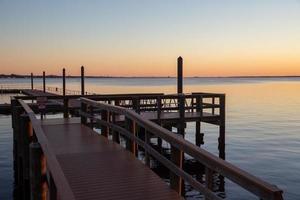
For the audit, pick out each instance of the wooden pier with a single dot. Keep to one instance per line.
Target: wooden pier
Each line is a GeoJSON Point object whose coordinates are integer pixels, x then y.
{"type": "Point", "coordinates": [96, 153]}
{"type": "Point", "coordinates": [106, 146]}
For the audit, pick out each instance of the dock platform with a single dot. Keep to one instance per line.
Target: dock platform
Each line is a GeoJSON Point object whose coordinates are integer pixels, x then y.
{"type": "Point", "coordinates": [97, 168]}
{"type": "Point", "coordinates": [93, 156]}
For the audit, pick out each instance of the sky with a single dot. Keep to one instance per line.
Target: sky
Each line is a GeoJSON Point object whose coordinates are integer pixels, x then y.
{"type": "Point", "coordinates": [145, 37]}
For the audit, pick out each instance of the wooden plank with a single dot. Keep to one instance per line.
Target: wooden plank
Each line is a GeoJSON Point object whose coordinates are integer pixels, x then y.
{"type": "Point", "coordinates": [107, 167]}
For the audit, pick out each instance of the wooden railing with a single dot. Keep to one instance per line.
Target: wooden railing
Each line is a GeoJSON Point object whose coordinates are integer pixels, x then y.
{"type": "Point", "coordinates": [59, 91]}
{"type": "Point", "coordinates": [158, 102]}
{"type": "Point", "coordinates": [14, 86]}
{"type": "Point", "coordinates": [107, 118]}
{"type": "Point", "coordinates": [43, 172]}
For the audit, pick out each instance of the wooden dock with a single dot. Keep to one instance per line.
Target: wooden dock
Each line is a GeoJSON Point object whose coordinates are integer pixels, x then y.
{"type": "Point", "coordinates": [94, 166]}
{"type": "Point", "coordinates": [104, 146]}
{"type": "Point", "coordinates": [96, 156]}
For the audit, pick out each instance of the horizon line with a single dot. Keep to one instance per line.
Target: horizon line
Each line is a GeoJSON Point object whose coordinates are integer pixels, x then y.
{"type": "Point", "coordinates": [100, 76]}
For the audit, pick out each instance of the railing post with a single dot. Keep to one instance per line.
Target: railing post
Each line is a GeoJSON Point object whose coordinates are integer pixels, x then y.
{"type": "Point", "coordinates": [104, 117]}
{"type": "Point", "coordinates": [131, 144]}
{"type": "Point", "coordinates": [159, 107]}
{"type": "Point", "coordinates": [147, 141]}
{"type": "Point", "coordinates": [36, 171]}
{"type": "Point", "coordinates": [83, 110]}
{"type": "Point", "coordinates": [44, 82]}
{"type": "Point", "coordinates": [136, 104]}
{"type": "Point", "coordinates": [92, 117]}
{"type": "Point", "coordinates": [115, 134]}
{"type": "Point", "coordinates": [66, 107]}
{"type": "Point", "coordinates": [181, 104]}
{"type": "Point", "coordinates": [82, 81]}
{"type": "Point", "coordinates": [221, 139]}
{"type": "Point", "coordinates": [199, 135]}
{"type": "Point", "coordinates": [176, 182]}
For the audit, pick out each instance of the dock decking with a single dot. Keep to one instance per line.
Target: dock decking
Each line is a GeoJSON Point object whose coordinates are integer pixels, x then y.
{"type": "Point", "coordinates": [97, 168]}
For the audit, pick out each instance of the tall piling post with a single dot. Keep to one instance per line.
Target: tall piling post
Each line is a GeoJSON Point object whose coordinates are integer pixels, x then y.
{"type": "Point", "coordinates": [31, 78]}
{"type": "Point", "coordinates": [176, 155]}
{"type": "Point", "coordinates": [35, 153]}
{"type": "Point", "coordinates": [66, 100]}
{"type": "Point", "coordinates": [179, 75]}
{"type": "Point", "coordinates": [82, 81]}
{"type": "Point", "coordinates": [44, 81]}
{"type": "Point", "coordinates": [25, 135]}
{"type": "Point", "coordinates": [64, 81]}
{"type": "Point", "coordinates": [222, 128]}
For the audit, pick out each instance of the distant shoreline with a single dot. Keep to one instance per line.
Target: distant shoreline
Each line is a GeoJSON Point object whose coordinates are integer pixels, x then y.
{"type": "Point", "coordinates": [56, 76]}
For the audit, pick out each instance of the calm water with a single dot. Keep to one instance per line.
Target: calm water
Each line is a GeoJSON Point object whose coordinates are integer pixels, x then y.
{"type": "Point", "coordinates": [262, 133]}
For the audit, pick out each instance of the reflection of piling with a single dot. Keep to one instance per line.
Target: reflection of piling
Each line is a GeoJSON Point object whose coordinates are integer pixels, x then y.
{"type": "Point", "coordinates": [82, 80]}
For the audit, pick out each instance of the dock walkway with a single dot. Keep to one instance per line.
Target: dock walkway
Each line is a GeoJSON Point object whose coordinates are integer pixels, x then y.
{"type": "Point", "coordinates": [96, 157]}
{"type": "Point", "coordinates": [97, 168]}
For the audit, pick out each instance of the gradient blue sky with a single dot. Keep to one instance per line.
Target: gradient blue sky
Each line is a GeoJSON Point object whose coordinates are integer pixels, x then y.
{"type": "Point", "coordinates": [138, 37]}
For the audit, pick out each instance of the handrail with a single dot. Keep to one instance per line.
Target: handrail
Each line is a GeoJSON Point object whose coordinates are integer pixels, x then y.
{"type": "Point", "coordinates": [150, 101]}
{"type": "Point", "coordinates": [62, 185]}
{"type": "Point", "coordinates": [249, 182]}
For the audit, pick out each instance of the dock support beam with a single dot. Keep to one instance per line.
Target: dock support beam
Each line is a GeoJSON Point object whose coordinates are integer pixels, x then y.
{"type": "Point", "coordinates": [25, 135]}
{"type": "Point", "coordinates": [82, 81]}
{"type": "Point", "coordinates": [179, 75]}
{"type": "Point", "coordinates": [35, 171]}
{"type": "Point", "coordinates": [44, 82]}
{"type": "Point", "coordinates": [31, 78]}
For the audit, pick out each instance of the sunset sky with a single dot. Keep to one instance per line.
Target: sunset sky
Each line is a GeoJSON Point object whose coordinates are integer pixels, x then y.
{"type": "Point", "coordinates": [144, 38]}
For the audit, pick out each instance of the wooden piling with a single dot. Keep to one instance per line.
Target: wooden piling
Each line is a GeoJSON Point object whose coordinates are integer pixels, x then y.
{"type": "Point", "coordinates": [25, 134]}
{"type": "Point", "coordinates": [44, 81]}
{"type": "Point", "coordinates": [35, 153]}
{"type": "Point", "coordinates": [209, 179]}
{"type": "Point", "coordinates": [181, 131]}
{"type": "Point", "coordinates": [179, 75]}
{"type": "Point", "coordinates": [199, 136]}
{"type": "Point", "coordinates": [31, 78]}
{"type": "Point", "coordinates": [64, 81]}
{"type": "Point", "coordinates": [82, 81]}
{"type": "Point", "coordinates": [65, 100]}
{"type": "Point", "coordinates": [221, 139]}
